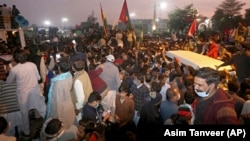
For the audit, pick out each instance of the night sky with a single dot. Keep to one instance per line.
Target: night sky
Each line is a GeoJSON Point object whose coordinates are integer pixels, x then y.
{"type": "Point", "coordinates": [37, 11]}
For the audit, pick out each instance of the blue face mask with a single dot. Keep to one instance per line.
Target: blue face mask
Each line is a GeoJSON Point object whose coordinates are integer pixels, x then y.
{"type": "Point", "coordinates": [202, 94]}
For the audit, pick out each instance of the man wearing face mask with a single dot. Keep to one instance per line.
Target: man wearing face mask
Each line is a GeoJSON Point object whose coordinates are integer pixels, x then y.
{"type": "Point", "coordinates": [90, 108]}
{"type": "Point", "coordinates": [213, 105]}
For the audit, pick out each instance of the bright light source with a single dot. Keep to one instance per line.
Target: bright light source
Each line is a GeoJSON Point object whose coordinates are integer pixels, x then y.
{"type": "Point", "coordinates": [154, 27]}
{"type": "Point", "coordinates": [163, 5]}
{"type": "Point", "coordinates": [64, 19]}
{"type": "Point", "coordinates": [47, 23]}
{"type": "Point", "coordinates": [132, 14]}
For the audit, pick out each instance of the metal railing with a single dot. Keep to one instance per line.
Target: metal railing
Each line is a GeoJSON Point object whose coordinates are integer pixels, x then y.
{"type": "Point", "coordinates": [13, 23]}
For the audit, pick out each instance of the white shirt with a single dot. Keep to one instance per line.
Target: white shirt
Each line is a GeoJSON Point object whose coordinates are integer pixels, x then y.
{"type": "Point", "coordinates": [163, 91]}
{"type": "Point", "coordinates": [80, 97]}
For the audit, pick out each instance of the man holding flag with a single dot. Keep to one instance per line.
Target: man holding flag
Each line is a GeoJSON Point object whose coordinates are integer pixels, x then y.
{"type": "Point", "coordinates": [192, 32]}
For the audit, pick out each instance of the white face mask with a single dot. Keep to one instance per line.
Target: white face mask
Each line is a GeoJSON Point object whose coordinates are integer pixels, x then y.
{"type": "Point", "coordinates": [97, 105]}
{"type": "Point", "coordinates": [202, 94]}
{"type": "Point", "coordinates": [152, 94]}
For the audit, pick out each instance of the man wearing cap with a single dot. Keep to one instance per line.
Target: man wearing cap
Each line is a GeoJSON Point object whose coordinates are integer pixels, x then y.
{"type": "Point", "coordinates": [111, 76]}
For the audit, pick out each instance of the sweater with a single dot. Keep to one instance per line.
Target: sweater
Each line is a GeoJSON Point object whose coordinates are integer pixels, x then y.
{"type": "Point", "coordinates": [219, 110]}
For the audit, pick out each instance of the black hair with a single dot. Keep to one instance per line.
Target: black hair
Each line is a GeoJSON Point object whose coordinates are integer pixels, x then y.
{"type": "Point", "coordinates": [189, 96]}
{"type": "Point", "coordinates": [20, 56]}
{"type": "Point", "coordinates": [209, 74]}
{"type": "Point", "coordinates": [3, 124]}
{"type": "Point", "coordinates": [245, 84]}
{"type": "Point", "coordinates": [148, 78]}
{"type": "Point", "coordinates": [78, 65]}
{"type": "Point", "coordinates": [94, 96]}
{"type": "Point", "coordinates": [124, 87]}
{"type": "Point", "coordinates": [233, 86]}
{"type": "Point", "coordinates": [64, 64]}
{"type": "Point", "coordinates": [88, 124]}
{"type": "Point", "coordinates": [140, 76]}
{"type": "Point", "coordinates": [156, 87]}
{"type": "Point", "coordinates": [53, 126]}
{"type": "Point", "coordinates": [188, 80]}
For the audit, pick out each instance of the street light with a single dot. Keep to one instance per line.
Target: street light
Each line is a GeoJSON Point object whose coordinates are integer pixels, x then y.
{"type": "Point", "coordinates": [163, 5]}
{"type": "Point", "coordinates": [64, 20]}
{"type": "Point", "coordinates": [132, 15]}
{"type": "Point", "coordinates": [47, 23]}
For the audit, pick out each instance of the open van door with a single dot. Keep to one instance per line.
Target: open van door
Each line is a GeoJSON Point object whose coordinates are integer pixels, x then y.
{"type": "Point", "coordinates": [13, 34]}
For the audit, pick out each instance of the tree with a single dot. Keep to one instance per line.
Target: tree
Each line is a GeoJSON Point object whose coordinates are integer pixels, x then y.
{"type": "Point", "coordinates": [180, 19]}
{"type": "Point", "coordinates": [231, 7]}
{"type": "Point", "coordinates": [247, 15]}
{"type": "Point", "coordinates": [219, 20]}
{"type": "Point", "coordinates": [227, 15]}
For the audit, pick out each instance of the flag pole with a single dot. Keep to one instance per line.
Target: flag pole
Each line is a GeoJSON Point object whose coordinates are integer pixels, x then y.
{"type": "Point", "coordinates": [114, 24]}
{"type": "Point", "coordinates": [104, 20]}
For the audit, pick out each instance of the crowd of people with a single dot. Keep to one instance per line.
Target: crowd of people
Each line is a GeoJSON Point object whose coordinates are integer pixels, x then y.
{"type": "Point", "coordinates": [99, 87]}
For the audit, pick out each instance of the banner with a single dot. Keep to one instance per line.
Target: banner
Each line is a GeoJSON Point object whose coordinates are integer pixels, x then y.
{"type": "Point", "coordinates": [124, 16]}
{"type": "Point", "coordinates": [104, 20]}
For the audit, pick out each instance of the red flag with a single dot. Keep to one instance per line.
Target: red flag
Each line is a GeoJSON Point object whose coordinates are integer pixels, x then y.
{"type": "Point", "coordinates": [192, 29]}
{"type": "Point", "coordinates": [124, 16]}
{"type": "Point", "coordinates": [104, 20]}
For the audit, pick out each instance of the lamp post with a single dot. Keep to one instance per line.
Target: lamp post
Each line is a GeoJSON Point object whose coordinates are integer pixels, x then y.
{"type": "Point", "coordinates": [64, 20]}
{"type": "Point", "coordinates": [47, 23]}
{"type": "Point", "coordinates": [132, 15]}
{"type": "Point", "coordinates": [160, 6]}
{"type": "Point", "coordinates": [163, 6]}
{"type": "Point", "coordinates": [132, 18]}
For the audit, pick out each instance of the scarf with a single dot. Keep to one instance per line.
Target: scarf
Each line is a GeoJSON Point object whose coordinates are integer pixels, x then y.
{"type": "Point", "coordinates": [59, 77]}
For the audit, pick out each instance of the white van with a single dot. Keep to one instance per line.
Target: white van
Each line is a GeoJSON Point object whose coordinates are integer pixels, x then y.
{"type": "Point", "coordinates": [196, 60]}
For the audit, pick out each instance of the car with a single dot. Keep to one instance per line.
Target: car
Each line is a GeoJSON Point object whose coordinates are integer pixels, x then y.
{"type": "Point", "coordinates": [196, 60]}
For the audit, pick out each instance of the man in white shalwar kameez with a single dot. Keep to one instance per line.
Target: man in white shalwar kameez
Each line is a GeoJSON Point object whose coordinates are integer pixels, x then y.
{"type": "Point", "coordinates": [111, 76]}
{"type": "Point", "coordinates": [82, 87]}
{"type": "Point", "coordinates": [60, 103]}
{"type": "Point", "coordinates": [26, 76]}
